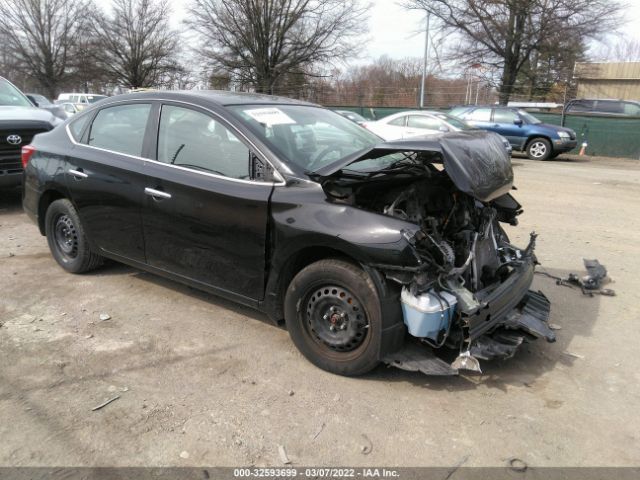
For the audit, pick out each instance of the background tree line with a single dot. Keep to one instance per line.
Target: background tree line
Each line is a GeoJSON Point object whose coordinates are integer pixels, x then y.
{"type": "Point", "coordinates": [512, 48]}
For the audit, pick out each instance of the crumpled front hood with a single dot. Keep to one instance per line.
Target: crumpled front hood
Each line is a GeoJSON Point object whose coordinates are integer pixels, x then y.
{"type": "Point", "coordinates": [33, 114]}
{"type": "Point", "coordinates": [476, 161]}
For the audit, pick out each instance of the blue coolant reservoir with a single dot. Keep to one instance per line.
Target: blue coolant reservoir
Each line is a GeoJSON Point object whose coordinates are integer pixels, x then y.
{"type": "Point", "coordinates": [428, 313]}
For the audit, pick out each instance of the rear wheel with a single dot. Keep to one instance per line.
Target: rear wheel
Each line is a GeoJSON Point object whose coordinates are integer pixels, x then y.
{"type": "Point", "coordinates": [332, 312]}
{"type": "Point", "coordinates": [67, 240]}
{"type": "Point", "coordinates": [539, 149]}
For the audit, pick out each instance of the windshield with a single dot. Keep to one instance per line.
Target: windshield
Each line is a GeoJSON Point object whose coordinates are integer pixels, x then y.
{"type": "Point", "coordinates": [95, 98]}
{"type": "Point", "coordinates": [40, 99]}
{"type": "Point", "coordinates": [530, 119]}
{"type": "Point", "coordinates": [456, 122]}
{"type": "Point", "coordinates": [352, 115]}
{"type": "Point", "coordinates": [310, 137]}
{"type": "Point", "coordinates": [11, 96]}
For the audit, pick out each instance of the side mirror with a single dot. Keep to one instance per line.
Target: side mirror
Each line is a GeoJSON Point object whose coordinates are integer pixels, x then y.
{"type": "Point", "coordinates": [518, 121]}
{"type": "Point", "coordinates": [259, 170]}
{"type": "Point", "coordinates": [443, 128]}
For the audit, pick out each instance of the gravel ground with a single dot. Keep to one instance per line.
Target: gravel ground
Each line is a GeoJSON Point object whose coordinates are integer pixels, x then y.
{"type": "Point", "coordinates": [202, 381]}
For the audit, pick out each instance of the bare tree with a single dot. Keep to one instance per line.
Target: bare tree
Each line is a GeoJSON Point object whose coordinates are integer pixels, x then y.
{"type": "Point", "coordinates": [136, 47]}
{"type": "Point", "coordinates": [505, 33]}
{"type": "Point", "coordinates": [42, 36]}
{"type": "Point", "coordinates": [261, 41]}
{"type": "Point", "coordinates": [624, 49]}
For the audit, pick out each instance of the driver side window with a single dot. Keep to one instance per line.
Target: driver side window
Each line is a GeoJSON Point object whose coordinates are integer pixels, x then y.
{"type": "Point", "coordinates": [194, 140]}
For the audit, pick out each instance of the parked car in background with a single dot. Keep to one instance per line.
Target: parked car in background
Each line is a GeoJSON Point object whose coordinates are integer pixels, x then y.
{"type": "Point", "coordinates": [81, 99]}
{"type": "Point", "coordinates": [370, 251]}
{"type": "Point", "coordinates": [41, 101]}
{"type": "Point", "coordinates": [524, 132]}
{"type": "Point", "coordinates": [407, 124]}
{"type": "Point", "coordinates": [353, 116]}
{"type": "Point", "coordinates": [416, 123]}
{"type": "Point", "coordinates": [627, 108]}
{"type": "Point", "coordinates": [20, 121]}
{"type": "Point", "coordinates": [70, 108]}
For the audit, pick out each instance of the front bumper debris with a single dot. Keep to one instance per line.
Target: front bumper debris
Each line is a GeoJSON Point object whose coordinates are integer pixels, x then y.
{"type": "Point", "coordinates": [526, 321]}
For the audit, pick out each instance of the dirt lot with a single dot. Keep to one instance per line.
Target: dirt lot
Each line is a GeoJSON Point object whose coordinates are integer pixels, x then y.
{"type": "Point", "coordinates": [204, 382]}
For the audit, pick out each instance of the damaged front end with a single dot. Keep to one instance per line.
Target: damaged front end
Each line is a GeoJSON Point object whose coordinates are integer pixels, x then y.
{"type": "Point", "coordinates": [468, 289]}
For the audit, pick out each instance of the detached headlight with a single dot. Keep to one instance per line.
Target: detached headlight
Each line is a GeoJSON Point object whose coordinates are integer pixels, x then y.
{"type": "Point", "coordinates": [563, 135]}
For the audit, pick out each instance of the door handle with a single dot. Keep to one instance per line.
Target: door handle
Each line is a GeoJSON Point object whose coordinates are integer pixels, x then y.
{"type": "Point", "coordinates": [78, 174]}
{"type": "Point", "coordinates": [156, 194]}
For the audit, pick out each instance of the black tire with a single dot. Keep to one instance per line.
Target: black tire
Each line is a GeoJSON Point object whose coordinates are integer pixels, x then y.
{"type": "Point", "coordinates": [539, 149]}
{"type": "Point", "coordinates": [347, 296]}
{"type": "Point", "coordinates": [66, 238]}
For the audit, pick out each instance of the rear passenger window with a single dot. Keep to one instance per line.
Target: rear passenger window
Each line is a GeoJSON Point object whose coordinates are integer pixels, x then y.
{"type": "Point", "coordinates": [120, 129]}
{"type": "Point", "coordinates": [194, 140]}
{"type": "Point", "coordinates": [607, 106]}
{"type": "Point", "coordinates": [478, 115]}
{"type": "Point", "coordinates": [580, 106]}
{"type": "Point", "coordinates": [423, 122]}
{"type": "Point", "coordinates": [632, 109]}
{"type": "Point", "coordinates": [502, 115]}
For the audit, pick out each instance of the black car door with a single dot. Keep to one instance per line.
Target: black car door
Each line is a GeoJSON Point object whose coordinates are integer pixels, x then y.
{"type": "Point", "coordinates": [105, 175]}
{"type": "Point", "coordinates": [205, 218]}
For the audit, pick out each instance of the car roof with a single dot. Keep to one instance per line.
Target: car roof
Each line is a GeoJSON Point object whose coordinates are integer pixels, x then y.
{"type": "Point", "coordinates": [471, 107]}
{"type": "Point", "coordinates": [603, 100]}
{"type": "Point", "coordinates": [215, 97]}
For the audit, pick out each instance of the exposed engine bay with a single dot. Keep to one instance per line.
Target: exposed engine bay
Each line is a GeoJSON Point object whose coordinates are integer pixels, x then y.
{"type": "Point", "coordinates": [466, 261]}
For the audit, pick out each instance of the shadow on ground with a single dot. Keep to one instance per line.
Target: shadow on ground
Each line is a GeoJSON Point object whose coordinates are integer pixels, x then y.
{"type": "Point", "coordinates": [10, 200]}
{"type": "Point", "coordinates": [575, 313]}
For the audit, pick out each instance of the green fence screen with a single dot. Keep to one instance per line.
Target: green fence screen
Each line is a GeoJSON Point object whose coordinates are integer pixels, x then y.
{"type": "Point", "coordinates": [605, 136]}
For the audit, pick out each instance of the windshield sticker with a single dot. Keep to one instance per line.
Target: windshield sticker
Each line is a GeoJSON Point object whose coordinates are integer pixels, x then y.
{"type": "Point", "coordinates": [270, 116]}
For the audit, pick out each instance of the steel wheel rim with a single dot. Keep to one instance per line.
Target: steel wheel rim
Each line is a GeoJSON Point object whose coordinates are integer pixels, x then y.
{"type": "Point", "coordinates": [335, 319]}
{"type": "Point", "coordinates": [538, 149]}
{"type": "Point", "coordinates": [66, 237]}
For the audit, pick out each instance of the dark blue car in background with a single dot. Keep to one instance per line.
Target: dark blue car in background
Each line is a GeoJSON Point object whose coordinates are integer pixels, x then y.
{"type": "Point", "coordinates": [525, 132]}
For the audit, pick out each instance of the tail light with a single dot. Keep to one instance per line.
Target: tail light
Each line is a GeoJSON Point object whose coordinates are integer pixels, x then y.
{"type": "Point", "coordinates": [27, 153]}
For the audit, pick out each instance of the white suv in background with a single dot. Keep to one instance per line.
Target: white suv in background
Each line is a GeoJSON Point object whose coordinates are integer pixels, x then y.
{"type": "Point", "coordinates": [79, 98]}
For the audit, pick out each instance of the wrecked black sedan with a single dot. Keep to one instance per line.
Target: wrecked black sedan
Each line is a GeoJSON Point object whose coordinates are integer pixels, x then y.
{"type": "Point", "coordinates": [370, 251]}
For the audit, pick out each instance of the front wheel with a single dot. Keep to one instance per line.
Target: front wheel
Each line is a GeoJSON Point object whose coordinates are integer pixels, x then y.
{"type": "Point", "coordinates": [67, 240]}
{"type": "Point", "coordinates": [332, 313]}
{"type": "Point", "coordinates": [539, 149]}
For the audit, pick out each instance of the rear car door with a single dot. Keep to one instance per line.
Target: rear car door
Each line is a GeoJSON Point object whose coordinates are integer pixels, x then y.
{"type": "Point", "coordinates": [508, 123]}
{"type": "Point", "coordinates": [205, 217]}
{"type": "Point", "coordinates": [106, 179]}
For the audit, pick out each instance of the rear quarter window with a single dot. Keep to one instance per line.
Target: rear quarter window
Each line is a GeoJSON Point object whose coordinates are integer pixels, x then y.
{"type": "Point", "coordinates": [77, 126]}
{"type": "Point", "coordinates": [399, 122]}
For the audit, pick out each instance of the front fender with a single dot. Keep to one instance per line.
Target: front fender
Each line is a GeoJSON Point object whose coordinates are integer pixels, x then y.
{"type": "Point", "coordinates": [313, 221]}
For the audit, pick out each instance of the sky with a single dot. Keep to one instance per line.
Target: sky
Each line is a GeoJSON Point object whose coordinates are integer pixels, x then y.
{"type": "Point", "coordinates": [398, 32]}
